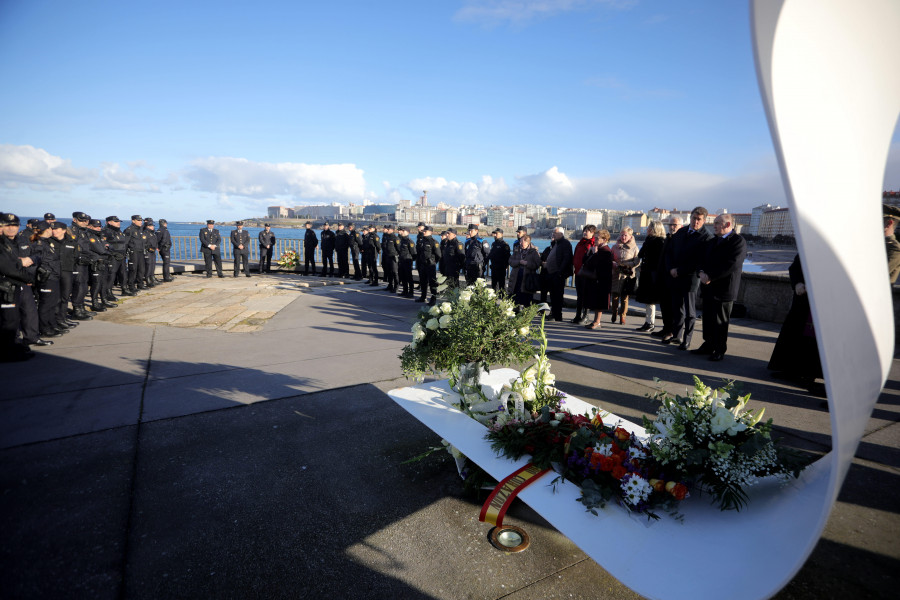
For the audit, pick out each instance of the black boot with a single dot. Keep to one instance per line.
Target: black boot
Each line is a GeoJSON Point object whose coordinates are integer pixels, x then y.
{"type": "Point", "coordinates": [97, 307]}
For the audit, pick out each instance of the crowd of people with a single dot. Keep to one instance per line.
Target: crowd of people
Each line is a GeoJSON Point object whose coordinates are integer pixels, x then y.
{"type": "Point", "coordinates": [49, 271]}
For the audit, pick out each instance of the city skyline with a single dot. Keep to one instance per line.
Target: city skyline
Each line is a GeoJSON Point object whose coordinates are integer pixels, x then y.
{"type": "Point", "coordinates": [202, 109]}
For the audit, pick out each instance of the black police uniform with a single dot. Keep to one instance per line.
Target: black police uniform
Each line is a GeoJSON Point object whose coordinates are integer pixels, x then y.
{"type": "Point", "coordinates": [81, 277]}
{"type": "Point", "coordinates": [67, 268]}
{"type": "Point", "coordinates": [13, 278]}
{"type": "Point", "coordinates": [211, 237]}
{"type": "Point", "coordinates": [310, 242]}
{"type": "Point", "coordinates": [28, 310]}
{"type": "Point", "coordinates": [266, 247]}
{"type": "Point", "coordinates": [135, 253]}
{"type": "Point", "coordinates": [499, 261]}
{"type": "Point", "coordinates": [476, 256]}
{"type": "Point", "coordinates": [422, 272]}
{"type": "Point", "coordinates": [117, 274]}
{"type": "Point", "coordinates": [241, 255]}
{"type": "Point", "coordinates": [429, 252]}
{"type": "Point", "coordinates": [327, 253]}
{"type": "Point", "coordinates": [99, 270]}
{"type": "Point", "coordinates": [164, 239]}
{"type": "Point", "coordinates": [355, 244]}
{"type": "Point", "coordinates": [406, 252]}
{"type": "Point", "coordinates": [342, 249]}
{"type": "Point", "coordinates": [453, 259]}
{"type": "Point", "coordinates": [150, 257]}
{"type": "Point", "coordinates": [46, 286]}
{"type": "Point", "coordinates": [389, 259]}
{"type": "Point", "coordinates": [371, 247]}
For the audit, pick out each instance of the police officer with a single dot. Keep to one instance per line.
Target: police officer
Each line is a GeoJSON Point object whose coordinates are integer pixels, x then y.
{"type": "Point", "coordinates": [164, 239]}
{"type": "Point", "coordinates": [65, 249]}
{"type": "Point", "coordinates": [82, 275]}
{"type": "Point", "coordinates": [310, 241]}
{"type": "Point", "coordinates": [67, 268]}
{"type": "Point", "coordinates": [240, 248]}
{"type": "Point", "coordinates": [420, 228]}
{"type": "Point", "coordinates": [50, 218]}
{"type": "Point", "coordinates": [135, 253]}
{"type": "Point", "coordinates": [99, 267]}
{"type": "Point", "coordinates": [211, 246]}
{"type": "Point", "coordinates": [150, 257]}
{"type": "Point", "coordinates": [364, 270]}
{"type": "Point", "coordinates": [371, 247]}
{"type": "Point", "coordinates": [521, 231]}
{"type": "Point", "coordinates": [266, 247]}
{"type": "Point", "coordinates": [327, 251]}
{"type": "Point", "coordinates": [499, 260]}
{"type": "Point", "coordinates": [453, 257]}
{"type": "Point", "coordinates": [46, 288]}
{"type": "Point", "coordinates": [14, 276]}
{"type": "Point", "coordinates": [390, 256]}
{"type": "Point", "coordinates": [476, 255]}
{"type": "Point", "coordinates": [28, 311]}
{"type": "Point", "coordinates": [355, 245]}
{"type": "Point", "coordinates": [429, 252]}
{"type": "Point", "coordinates": [342, 248]}
{"type": "Point", "coordinates": [406, 252]}
{"type": "Point", "coordinates": [116, 241]}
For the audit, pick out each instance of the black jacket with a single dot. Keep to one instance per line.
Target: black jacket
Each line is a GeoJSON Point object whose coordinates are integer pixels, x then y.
{"type": "Point", "coordinates": [210, 238]}
{"type": "Point", "coordinates": [341, 241]}
{"type": "Point", "coordinates": [723, 263]}
{"type": "Point", "coordinates": [499, 254]}
{"type": "Point", "coordinates": [328, 242]}
{"type": "Point", "coordinates": [240, 238]}
{"type": "Point", "coordinates": [310, 240]}
{"type": "Point", "coordinates": [684, 251]}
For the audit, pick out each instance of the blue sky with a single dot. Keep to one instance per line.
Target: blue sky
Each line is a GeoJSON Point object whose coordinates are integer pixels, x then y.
{"type": "Point", "coordinates": [194, 110]}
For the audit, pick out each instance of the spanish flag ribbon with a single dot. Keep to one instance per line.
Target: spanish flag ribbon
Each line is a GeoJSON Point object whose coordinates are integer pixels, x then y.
{"type": "Point", "coordinates": [498, 502]}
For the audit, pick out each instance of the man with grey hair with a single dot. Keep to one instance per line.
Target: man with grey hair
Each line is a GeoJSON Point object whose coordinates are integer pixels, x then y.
{"type": "Point", "coordinates": [559, 268]}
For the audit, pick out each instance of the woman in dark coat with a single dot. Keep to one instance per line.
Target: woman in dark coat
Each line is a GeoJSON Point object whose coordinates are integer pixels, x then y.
{"type": "Point", "coordinates": [597, 291]}
{"type": "Point", "coordinates": [649, 291]}
{"type": "Point", "coordinates": [796, 355]}
{"type": "Point", "coordinates": [523, 266]}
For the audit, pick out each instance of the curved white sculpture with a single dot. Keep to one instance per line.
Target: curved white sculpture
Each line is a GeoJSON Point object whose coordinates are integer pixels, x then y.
{"type": "Point", "coordinates": [828, 74]}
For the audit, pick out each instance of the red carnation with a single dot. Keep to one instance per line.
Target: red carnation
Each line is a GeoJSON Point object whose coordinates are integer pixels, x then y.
{"type": "Point", "coordinates": [618, 472]}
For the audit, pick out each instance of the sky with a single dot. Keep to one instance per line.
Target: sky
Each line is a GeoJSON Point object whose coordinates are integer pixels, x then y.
{"type": "Point", "coordinates": [196, 110]}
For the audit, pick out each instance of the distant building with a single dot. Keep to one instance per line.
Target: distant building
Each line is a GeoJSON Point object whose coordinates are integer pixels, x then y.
{"type": "Point", "coordinates": [469, 219]}
{"type": "Point", "coordinates": [741, 221]}
{"type": "Point", "coordinates": [756, 216]}
{"type": "Point", "coordinates": [637, 221]}
{"type": "Point", "coordinates": [280, 212]}
{"type": "Point", "coordinates": [326, 211]}
{"type": "Point", "coordinates": [520, 218]}
{"type": "Point", "coordinates": [380, 209]}
{"type": "Point", "coordinates": [404, 203]}
{"type": "Point", "coordinates": [577, 218]}
{"type": "Point", "coordinates": [776, 221]}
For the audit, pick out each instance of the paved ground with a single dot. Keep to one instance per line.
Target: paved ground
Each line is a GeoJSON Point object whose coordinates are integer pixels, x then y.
{"type": "Point", "coordinates": [152, 461]}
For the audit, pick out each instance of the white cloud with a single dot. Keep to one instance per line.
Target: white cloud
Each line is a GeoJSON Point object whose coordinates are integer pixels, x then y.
{"type": "Point", "coordinates": [520, 11]}
{"type": "Point", "coordinates": [259, 180]}
{"type": "Point", "coordinates": [37, 168]}
{"type": "Point", "coordinates": [549, 187]}
{"type": "Point", "coordinates": [114, 177]}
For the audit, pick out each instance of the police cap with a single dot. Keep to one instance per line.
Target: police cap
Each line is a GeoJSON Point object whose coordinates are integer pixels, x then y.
{"type": "Point", "coordinates": [265, 225]}
{"type": "Point", "coordinates": [95, 223]}
{"type": "Point", "coordinates": [49, 216]}
{"type": "Point", "coordinates": [522, 228]}
{"type": "Point", "coordinates": [241, 223]}
{"type": "Point", "coordinates": [136, 218]}
{"type": "Point", "coordinates": [498, 230]}
{"type": "Point", "coordinates": [473, 226]}
{"type": "Point", "coordinates": [451, 230]}
{"type": "Point", "coordinates": [58, 225]}
{"type": "Point", "coordinates": [890, 211]}
{"type": "Point", "coordinates": [32, 222]}
{"type": "Point", "coordinates": [80, 216]}
{"type": "Point", "coordinates": [112, 219]}
{"type": "Point", "coordinates": [41, 226]}
{"type": "Point", "coordinates": [403, 228]}
{"type": "Point", "coordinates": [421, 224]}
{"type": "Point", "coordinates": [210, 222]}
{"type": "Point", "coordinates": [428, 228]}
{"type": "Point", "coordinates": [8, 219]}
{"type": "Point", "coordinates": [350, 224]}
{"type": "Point", "coordinates": [163, 222]}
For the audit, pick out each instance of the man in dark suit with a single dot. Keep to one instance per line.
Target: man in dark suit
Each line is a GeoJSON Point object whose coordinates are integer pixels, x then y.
{"type": "Point", "coordinates": [240, 248]}
{"type": "Point", "coordinates": [559, 267]}
{"type": "Point", "coordinates": [211, 247]}
{"type": "Point", "coordinates": [310, 242]}
{"type": "Point", "coordinates": [720, 280]}
{"type": "Point", "coordinates": [683, 254]}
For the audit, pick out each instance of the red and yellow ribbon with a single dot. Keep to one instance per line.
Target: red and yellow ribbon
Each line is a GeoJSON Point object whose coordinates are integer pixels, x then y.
{"type": "Point", "coordinates": [498, 502]}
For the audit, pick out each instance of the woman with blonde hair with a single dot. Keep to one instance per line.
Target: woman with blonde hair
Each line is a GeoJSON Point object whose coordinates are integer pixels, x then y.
{"type": "Point", "coordinates": [649, 288]}
{"type": "Point", "coordinates": [625, 261]}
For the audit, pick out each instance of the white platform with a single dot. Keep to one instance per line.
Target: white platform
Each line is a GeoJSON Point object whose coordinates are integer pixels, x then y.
{"type": "Point", "coordinates": [704, 557]}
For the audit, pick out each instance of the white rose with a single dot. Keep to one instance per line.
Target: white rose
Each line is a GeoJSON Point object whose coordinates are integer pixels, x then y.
{"type": "Point", "coordinates": [419, 335]}
{"type": "Point", "coordinates": [432, 324]}
{"type": "Point", "coordinates": [490, 292]}
{"type": "Point", "coordinates": [722, 420]}
{"type": "Point", "coordinates": [446, 308]}
{"type": "Point", "coordinates": [445, 321]}
{"type": "Point", "coordinates": [417, 327]}
{"type": "Point", "coordinates": [434, 311]}
{"type": "Point", "coordinates": [529, 375]}
{"type": "Point", "coordinates": [465, 296]}
{"type": "Point", "coordinates": [524, 330]}
{"type": "Point", "coordinates": [549, 379]}
{"type": "Point", "coordinates": [528, 394]}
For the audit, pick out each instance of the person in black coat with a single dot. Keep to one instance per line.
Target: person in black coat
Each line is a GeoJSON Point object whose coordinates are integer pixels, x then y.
{"type": "Point", "coordinates": [211, 247]}
{"type": "Point", "coordinates": [683, 254]}
{"type": "Point", "coordinates": [499, 260]}
{"type": "Point", "coordinates": [720, 281]}
{"type": "Point", "coordinates": [342, 249]}
{"type": "Point", "coordinates": [266, 248]}
{"type": "Point", "coordinates": [597, 289]}
{"type": "Point", "coordinates": [15, 276]}
{"type": "Point", "coordinates": [164, 238]}
{"type": "Point", "coordinates": [310, 242]}
{"type": "Point", "coordinates": [665, 282]}
{"type": "Point", "coordinates": [649, 291]}
{"type": "Point", "coordinates": [240, 248]}
{"type": "Point", "coordinates": [559, 267]}
{"type": "Point", "coordinates": [796, 354]}
{"type": "Point", "coordinates": [327, 236]}
{"type": "Point", "coordinates": [390, 257]}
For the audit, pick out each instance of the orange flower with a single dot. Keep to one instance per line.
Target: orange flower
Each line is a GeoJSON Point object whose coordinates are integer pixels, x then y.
{"type": "Point", "coordinates": [618, 472]}
{"type": "Point", "coordinates": [597, 421]}
{"type": "Point", "coordinates": [679, 491]}
{"type": "Point", "coordinates": [596, 457]}
{"type": "Point", "coordinates": [606, 462]}
{"type": "Point", "coordinates": [658, 485]}
{"type": "Point", "coordinates": [621, 434]}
